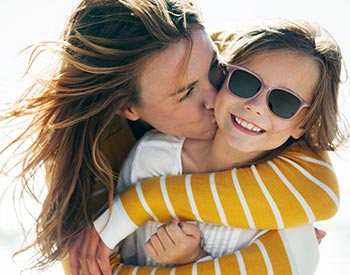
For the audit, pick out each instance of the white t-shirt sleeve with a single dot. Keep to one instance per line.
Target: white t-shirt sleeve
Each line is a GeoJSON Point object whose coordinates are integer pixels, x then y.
{"type": "Point", "coordinates": [155, 154]}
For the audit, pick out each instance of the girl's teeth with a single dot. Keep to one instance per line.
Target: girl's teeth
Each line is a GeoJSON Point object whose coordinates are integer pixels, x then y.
{"type": "Point", "coordinates": [247, 125]}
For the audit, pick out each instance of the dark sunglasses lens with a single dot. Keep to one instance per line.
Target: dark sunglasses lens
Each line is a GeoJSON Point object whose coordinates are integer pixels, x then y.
{"type": "Point", "coordinates": [244, 84]}
{"type": "Point", "coordinates": [217, 75]}
{"type": "Point", "coordinates": [283, 103]}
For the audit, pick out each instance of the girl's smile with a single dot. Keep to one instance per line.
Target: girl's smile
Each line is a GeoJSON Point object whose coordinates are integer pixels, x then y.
{"type": "Point", "coordinates": [246, 126]}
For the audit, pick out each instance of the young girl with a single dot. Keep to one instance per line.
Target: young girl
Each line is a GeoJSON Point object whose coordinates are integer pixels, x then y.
{"type": "Point", "coordinates": [285, 73]}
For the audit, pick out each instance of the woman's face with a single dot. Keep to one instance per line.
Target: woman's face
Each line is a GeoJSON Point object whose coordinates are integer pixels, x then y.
{"type": "Point", "coordinates": [179, 102]}
{"type": "Point", "coordinates": [247, 124]}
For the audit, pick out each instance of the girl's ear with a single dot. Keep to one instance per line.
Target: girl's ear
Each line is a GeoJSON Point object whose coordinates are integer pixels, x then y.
{"type": "Point", "coordinates": [129, 113]}
{"type": "Point", "coordinates": [298, 132]}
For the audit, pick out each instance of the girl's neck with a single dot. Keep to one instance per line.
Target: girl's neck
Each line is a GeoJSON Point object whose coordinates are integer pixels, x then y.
{"type": "Point", "coordinates": [200, 156]}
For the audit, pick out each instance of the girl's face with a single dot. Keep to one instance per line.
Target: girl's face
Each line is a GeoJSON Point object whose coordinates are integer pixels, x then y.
{"type": "Point", "coordinates": [247, 124]}
{"type": "Point", "coordinates": [179, 103]}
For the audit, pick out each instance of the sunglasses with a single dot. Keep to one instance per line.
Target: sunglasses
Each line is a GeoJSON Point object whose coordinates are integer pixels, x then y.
{"type": "Point", "coordinates": [244, 83]}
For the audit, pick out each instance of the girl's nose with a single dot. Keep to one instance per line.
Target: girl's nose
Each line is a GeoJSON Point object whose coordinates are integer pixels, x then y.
{"type": "Point", "coordinates": [257, 104]}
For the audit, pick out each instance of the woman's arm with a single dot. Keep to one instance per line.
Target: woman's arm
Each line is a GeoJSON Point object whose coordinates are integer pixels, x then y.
{"type": "Point", "coordinates": [296, 188]}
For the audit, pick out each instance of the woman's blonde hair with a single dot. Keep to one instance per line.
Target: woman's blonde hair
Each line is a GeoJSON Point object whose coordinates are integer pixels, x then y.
{"type": "Point", "coordinates": [323, 131]}
{"type": "Point", "coordinates": [104, 47]}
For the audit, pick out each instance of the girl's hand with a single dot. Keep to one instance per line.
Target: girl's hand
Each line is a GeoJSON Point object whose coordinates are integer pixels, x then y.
{"type": "Point", "coordinates": [175, 243]}
{"type": "Point", "coordinates": [89, 253]}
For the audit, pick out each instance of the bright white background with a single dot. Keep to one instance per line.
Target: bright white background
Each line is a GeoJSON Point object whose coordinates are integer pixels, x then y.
{"type": "Point", "coordinates": [24, 22]}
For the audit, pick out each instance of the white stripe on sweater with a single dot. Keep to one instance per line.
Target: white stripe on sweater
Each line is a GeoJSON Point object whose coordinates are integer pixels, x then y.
{"type": "Point", "coordinates": [166, 196]}
{"type": "Point", "coordinates": [191, 198]}
{"type": "Point", "coordinates": [308, 211]}
{"type": "Point", "coordinates": [241, 264]}
{"type": "Point", "coordinates": [154, 270]}
{"type": "Point", "coordinates": [217, 267]}
{"type": "Point", "coordinates": [270, 200]}
{"type": "Point", "coordinates": [265, 256]}
{"type": "Point", "coordinates": [317, 161]}
{"type": "Point", "coordinates": [217, 200]}
{"type": "Point", "coordinates": [144, 202]}
{"type": "Point", "coordinates": [134, 272]}
{"type": "Point", "coordinates": [242, 199]}
{"type": "Point", "coordinates": [319, 183]}
{"type": "Point", "coordinates": [194, 269]}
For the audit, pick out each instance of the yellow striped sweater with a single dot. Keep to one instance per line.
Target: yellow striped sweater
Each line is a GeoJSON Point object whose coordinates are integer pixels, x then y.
{"type": "Point", "coordinates": [298, 187]}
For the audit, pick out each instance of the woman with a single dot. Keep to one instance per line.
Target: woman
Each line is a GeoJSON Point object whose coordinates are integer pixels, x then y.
{"type": "Point", "coordinates": [104, 49]}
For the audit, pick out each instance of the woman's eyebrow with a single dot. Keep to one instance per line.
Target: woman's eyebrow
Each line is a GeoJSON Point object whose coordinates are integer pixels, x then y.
{"type": "Point", "coordinates": [185, 88]}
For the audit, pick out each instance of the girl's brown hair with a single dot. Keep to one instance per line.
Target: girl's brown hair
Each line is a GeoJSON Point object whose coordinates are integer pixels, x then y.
{"type": "Point", "coordinates": [104, 46]}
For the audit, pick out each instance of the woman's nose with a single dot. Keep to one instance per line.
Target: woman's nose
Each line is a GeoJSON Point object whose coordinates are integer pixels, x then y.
{"type": "Point", "coordinates": [209, 97]}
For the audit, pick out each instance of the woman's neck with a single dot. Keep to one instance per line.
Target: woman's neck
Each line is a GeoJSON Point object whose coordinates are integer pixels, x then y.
{"type": "Point", "coordinates": [200, 156]}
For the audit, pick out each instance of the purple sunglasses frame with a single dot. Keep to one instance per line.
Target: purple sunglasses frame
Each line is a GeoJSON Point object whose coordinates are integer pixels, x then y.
{"type": "Point", "coordinates": [231, 68]}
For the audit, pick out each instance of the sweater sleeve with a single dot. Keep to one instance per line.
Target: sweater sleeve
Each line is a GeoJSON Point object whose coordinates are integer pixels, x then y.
{"type": "Point", "coordinates": [298, 187]}
{"type": "Point", "coordinates": [279, 252]}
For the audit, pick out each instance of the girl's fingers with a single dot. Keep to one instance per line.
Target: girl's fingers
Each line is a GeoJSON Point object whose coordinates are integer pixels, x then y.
{"type": "Point", "coordinates": [190, 229]}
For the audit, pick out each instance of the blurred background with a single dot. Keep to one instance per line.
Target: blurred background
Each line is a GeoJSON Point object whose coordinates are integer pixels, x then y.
{"type": "Point", "coordinates": [25, 22]}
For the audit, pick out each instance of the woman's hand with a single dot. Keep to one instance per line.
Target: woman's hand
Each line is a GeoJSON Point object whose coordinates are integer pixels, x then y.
{"type": "Point", "coordinates": [89, 253]}
{"type": "Point", "coordinates": [175, 243]}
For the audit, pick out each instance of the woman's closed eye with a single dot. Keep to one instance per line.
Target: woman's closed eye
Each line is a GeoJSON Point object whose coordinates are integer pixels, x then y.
{"type": "Point", "coordinates": [187, 94]}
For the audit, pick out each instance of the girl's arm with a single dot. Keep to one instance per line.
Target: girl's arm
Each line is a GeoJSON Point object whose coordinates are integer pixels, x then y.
{"type": "Point", "coordinates": [279, 252]}
{"type": "Point", "coordinates": [298, 187]}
